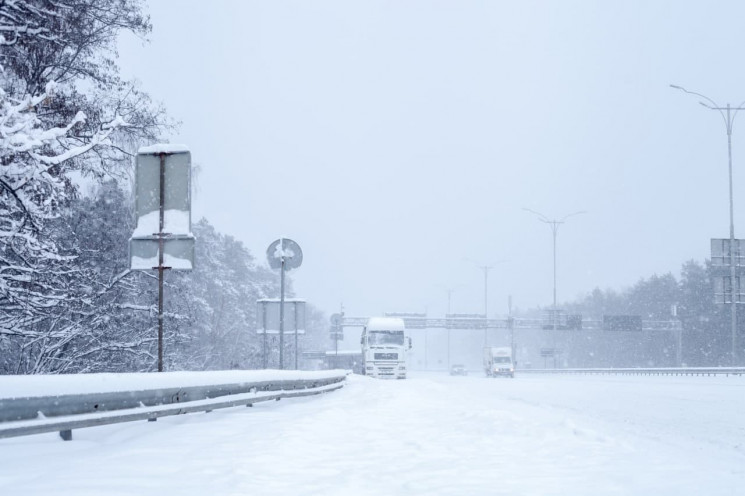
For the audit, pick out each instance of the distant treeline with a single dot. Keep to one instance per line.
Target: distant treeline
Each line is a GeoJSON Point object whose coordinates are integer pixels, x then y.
{"type": "Point", "coordinates": [707, 337]}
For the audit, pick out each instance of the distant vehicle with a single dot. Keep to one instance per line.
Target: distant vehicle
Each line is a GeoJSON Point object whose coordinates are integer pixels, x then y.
{"type": "Point", "coordinates": [458, 370]}
{"type": "Point", "coordinates": [384, 347]}
{"type": "Point", "coordinates": [498, 362]}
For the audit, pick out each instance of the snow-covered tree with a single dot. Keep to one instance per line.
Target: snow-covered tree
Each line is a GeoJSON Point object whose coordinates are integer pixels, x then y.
{"type": "Point", "coordinates": [217, 304]}
{"type": "Point", "coordinates": [68, 302]}
{"type": "Point", "coordinates": [706, 338]}
{"type": "Point", "coordinates": [64, 113]}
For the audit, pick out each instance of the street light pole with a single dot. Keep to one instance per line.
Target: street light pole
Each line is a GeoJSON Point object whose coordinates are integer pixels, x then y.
{"type": "Point", "coordinates": [554, 223]}
{"type": "Point", "coordinates": [729, 119]}
{"type": "Point", "coordinates": [486, 314]}
{"type": "Point", "coordinates": [511, 326]}
{"type": "Point", "coordinates": [450, 294]}
{"type": "Point", "coordinates": [486, 269]}
{"type": "Point", "coordinates": [486, 289]}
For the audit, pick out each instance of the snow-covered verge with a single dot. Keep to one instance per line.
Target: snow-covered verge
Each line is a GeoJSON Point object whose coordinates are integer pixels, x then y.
{"type": "Point", "coordinates": [431, 434]}
{"type": "Point", "coordinates": [18, 386]}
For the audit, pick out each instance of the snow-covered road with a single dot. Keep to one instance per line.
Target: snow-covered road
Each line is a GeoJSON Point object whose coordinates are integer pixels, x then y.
{"type": "Point", "coordinates": [432, 434]}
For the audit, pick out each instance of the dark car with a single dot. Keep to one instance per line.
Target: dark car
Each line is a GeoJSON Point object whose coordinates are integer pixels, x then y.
{"type": "Point", "coordinates": [458, 370]}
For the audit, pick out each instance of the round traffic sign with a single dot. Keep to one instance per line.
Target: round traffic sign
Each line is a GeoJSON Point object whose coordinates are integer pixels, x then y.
{"type": "Point", "coordinates": [284, 249]}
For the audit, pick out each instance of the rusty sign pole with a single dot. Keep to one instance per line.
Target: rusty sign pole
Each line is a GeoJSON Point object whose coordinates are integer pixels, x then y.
{"type": "Point", "coordinates": [162, 186]}
{"type": "Point", "coordinates": [160, 267]}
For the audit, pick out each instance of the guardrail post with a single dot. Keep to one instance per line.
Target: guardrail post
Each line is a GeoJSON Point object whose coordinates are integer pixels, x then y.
{"type": "Point", "coordinates": [66, 435]}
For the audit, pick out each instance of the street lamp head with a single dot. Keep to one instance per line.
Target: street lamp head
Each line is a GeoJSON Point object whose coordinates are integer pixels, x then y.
{"type": "Point", "coordinates": [712, 105]}
{"type": "Point", "coordinates": [573, 214]}
{"type": "Point", "coordinates": [555, 222]}
{"type": "Point", "coordinates": [541, 217]}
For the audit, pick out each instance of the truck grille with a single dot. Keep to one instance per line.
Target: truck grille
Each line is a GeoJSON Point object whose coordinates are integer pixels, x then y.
{"type": "Point", "coordinates": [386, 356]}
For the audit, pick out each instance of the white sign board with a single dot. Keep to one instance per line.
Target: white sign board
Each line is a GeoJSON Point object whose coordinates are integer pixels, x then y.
{"type": "Point", "coordinates": [178, 253]}
{"type": "Point", "coordinates": [267, 316]}
{"type": "Point", "coordinates": [723, 290]}
{"type": "Point", "coordinates": [172, 164]}
{"type": "Point", "coordinates": [721, 252]}
{"type": "Point", "coordinates": [176, 191]}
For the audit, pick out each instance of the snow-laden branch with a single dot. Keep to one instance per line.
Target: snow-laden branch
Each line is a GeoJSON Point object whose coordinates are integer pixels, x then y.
{"type": "Point", "coordinates": [20, 18]}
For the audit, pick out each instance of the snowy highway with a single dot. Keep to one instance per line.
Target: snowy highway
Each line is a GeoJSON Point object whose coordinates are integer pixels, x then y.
{"type": "Point", "coordinates": [430, 434]}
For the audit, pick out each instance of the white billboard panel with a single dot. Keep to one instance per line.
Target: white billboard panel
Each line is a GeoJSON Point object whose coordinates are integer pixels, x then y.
{"type": "Point", "coordinates": [267, 316]}
{"type": "Point", "coordinates": [720, 252]}
{"type": "Point", "coordinates": [176, 192]}
{"type": "Point", "coordinates": [178, 253]}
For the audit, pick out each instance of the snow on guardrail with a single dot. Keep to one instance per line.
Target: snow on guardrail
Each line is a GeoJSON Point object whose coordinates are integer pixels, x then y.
{"type": "Point", "coordinates": [36, 404]}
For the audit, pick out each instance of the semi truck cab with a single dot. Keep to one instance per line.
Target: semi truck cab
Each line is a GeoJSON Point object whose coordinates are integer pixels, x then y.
{"type": "Point", "coordinates": [498, 362]}
{"type": "Point", "coordinates": [384, 347]}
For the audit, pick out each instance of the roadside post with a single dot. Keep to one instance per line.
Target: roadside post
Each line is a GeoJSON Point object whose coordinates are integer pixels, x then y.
{"type": "Point", "coordinates": [162, 238]}
{"type": "Point", "coordinates": [268, 317]}
{"type": "Point", "coordinates": [336, 331]}
{"type": "Point", "coordinates": [284, 254]}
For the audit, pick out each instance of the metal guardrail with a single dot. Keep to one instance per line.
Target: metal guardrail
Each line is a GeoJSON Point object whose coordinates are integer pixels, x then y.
{"type": "Point", "coordinates": [701, 371]}
{"type": "Point", "coordinates": [35, 415]}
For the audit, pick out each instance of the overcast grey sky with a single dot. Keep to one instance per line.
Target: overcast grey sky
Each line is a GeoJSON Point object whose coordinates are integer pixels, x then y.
{"type": "Point", "coordinates": [396, 141]}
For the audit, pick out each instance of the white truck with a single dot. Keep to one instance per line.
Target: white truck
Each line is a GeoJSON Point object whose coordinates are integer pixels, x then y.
{"type": "Point", "coordinates": [498, 361]}
{"type": "Point", "coordinates": [384, 347]}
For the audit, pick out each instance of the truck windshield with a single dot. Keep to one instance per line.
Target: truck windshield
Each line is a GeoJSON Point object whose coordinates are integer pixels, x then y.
{"type": "Point", "coordinates": [502, 359]}
{"type": "Point", "coordinates": [385, 337]}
